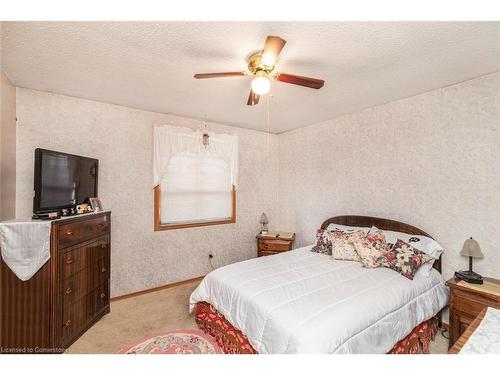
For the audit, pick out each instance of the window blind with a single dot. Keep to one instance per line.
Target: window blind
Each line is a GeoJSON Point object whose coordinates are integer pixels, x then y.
{"type": "Point", "coordinates": [195, 188]}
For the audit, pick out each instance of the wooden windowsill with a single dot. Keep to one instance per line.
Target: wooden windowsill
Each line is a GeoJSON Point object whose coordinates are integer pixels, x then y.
{"type": "Point", "coordinates": [192, 225]}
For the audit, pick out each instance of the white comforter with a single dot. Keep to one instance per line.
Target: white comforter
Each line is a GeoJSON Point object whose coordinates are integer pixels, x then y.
{"type": "Point", "coordinates": [304, 302]}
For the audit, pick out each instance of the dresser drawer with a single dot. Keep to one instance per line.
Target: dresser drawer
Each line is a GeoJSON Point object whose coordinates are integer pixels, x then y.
{"type": "Point", "coordinates": [101, 297]}
{"type": "Point", "coordinates": [469, 304]}
{"type": "Point", "coordinates": [101, 249]}
{"type": "Point", "coordinates": [101, 272]}
{"type": "Point", "coordinates": [85, 281]}
{"type": "Point", "coordinates": [75, 318]}
{"type": "Point", "coordinates": [76, 287]}
{"type": "Point", "coordinates": [80, 231]}
{"type": "Point", "coordinates": [78, 258]}
{"type": "Point", "coordinates": [274, 245]}
{"type": "Point", "coordinates": [263, 253]}
{"type": "Point", "coordinates": [78, 313]}
{"type": "Point", "coordinates": [75, 260]}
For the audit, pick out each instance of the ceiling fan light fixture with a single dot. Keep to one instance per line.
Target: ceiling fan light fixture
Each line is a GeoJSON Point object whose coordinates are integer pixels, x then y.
{"type": "Point", "coordinates": [261, 85]}
{"type": "Point", "coordinates": [262, 66]}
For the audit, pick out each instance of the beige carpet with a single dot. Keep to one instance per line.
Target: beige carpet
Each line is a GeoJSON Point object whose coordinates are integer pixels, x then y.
{"type": "Point", "coordinates": [133, 318]}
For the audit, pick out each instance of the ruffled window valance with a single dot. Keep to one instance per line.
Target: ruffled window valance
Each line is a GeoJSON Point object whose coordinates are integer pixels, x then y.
{"type": "Point", "coordinates": [169, 141]}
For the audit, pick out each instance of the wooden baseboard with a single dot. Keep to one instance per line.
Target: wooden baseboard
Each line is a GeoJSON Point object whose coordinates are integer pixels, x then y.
{"type": "Point", "coordinates": [156, 289]}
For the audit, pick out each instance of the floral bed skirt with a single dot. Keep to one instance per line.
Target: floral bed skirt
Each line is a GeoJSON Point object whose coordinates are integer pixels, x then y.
{"type": "Point", "coordinates": [233, 341]}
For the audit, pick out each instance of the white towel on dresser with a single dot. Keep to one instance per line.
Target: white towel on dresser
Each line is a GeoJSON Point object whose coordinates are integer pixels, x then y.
{"type": "Point", "coordinates": [25, 246]}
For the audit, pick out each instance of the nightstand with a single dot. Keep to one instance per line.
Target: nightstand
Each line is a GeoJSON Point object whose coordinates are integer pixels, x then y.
{"type": "Point", "coordinates": [459, 344]}
{"type": "Point", "coordinates": [274, 243]}
{"type": "Point", "coordinates": [467, 301]}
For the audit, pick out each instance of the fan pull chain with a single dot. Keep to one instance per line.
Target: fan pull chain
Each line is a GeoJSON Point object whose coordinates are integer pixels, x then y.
{"type": "Point", "coordinates": [268, 125]}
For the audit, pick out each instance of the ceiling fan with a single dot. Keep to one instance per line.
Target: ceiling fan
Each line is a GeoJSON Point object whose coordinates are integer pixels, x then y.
{"type": "Point", "coordinates": [261, 65]}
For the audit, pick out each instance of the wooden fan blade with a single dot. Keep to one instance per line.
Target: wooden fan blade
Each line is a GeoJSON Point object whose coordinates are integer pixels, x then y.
{"type": "Point", "coordinates": [253, 98]}
{"type": "Point", "coordinates": [218, 75]}
{"type": "Point", "coordinates": [272, 48]}
{"type": "Point", "coordinates": [300, 80]}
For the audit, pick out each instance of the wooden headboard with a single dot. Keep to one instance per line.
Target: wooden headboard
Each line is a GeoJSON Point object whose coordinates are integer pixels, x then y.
{"type": "Point", "coordinates": [384, 224]}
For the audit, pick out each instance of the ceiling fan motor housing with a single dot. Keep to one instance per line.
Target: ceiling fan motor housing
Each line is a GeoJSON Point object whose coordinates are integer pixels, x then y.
{"type": "Point", "coordinates": [255, 64]}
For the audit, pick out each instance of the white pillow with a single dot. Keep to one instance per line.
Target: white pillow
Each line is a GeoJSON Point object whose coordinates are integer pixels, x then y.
{"type": "Point", "coordinates": [346, 228]}
{"type": "Point", "coordinates": [425, 269]}
{"type": "Point", "coordinates": [422, 243]}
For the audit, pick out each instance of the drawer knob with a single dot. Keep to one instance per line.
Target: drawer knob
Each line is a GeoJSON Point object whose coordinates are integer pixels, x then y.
{"type": "Point", "coordinates": [103, 269]}
{"type": "Point", "coordinates": [69, 232]}
{"type": "Point", "coordinates": [103, 246]}
{"type": "Point", "coordinates": [103, 295]}
{"type": "Point", "coordinates": [68, 291]}
{"type": "Point", "coordinates": [69, 260]}
{"type": "Point", "coordinates": [67, 323]}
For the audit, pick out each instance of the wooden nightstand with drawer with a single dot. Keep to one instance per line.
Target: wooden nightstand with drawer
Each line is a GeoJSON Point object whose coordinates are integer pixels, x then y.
{"type": "Point", "coordinates": [274, 243]}
{"type": "Point", "coordinates": [467, 301]}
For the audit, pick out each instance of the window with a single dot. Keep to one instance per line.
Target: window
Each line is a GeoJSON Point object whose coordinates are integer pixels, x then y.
{"type": "Point", "coordinates": [195, 184]}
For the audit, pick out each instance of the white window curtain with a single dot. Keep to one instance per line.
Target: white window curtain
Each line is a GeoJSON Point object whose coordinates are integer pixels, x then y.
{"type": "Point", "coordinates": [195, 180]}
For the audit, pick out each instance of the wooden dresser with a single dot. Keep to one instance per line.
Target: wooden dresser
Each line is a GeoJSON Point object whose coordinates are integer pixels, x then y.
{"type": "Point", "coordinates": [48, 312]}
{"type": "Point", "coordinates": [269, 244]}
{"type": "Point", "coordinates": [466, 302]}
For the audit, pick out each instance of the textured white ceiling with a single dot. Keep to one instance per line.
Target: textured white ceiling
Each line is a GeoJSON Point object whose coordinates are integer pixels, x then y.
{"type": "Point", "coordinates": [150, 65]}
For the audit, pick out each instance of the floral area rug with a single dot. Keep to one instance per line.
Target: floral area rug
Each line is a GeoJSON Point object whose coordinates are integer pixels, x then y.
{"type": "Point", "coordinates": [175, 342]}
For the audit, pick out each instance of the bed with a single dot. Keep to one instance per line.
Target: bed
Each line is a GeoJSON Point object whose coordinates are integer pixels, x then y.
{"type": "Point", "coordinates": [305, 302]}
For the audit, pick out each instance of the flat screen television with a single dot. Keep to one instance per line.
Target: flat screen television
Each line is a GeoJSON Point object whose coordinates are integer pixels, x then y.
{"type": "Point", "coordinates": [62, 180]}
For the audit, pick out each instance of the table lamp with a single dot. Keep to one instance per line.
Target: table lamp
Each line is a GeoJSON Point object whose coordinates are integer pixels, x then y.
{"type": "Point", "coordinates": [470, 249]}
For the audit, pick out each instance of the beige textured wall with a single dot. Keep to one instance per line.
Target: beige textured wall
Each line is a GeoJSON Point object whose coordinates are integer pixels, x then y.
{"type": "Point", "coordinates": [121, 138]}
{"type": "Point", "coordinates": [7, 148]}
{"type": "Point", "coordinates": [431, 160]}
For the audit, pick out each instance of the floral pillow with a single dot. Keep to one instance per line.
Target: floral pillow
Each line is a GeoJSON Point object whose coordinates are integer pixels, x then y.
{"type": "Point", "coordinates": [370, 247]}
{"type": "Point", "coordinates": [342, 248]}
{"type": "Point", "coordinates": [404, 259]}
{"type": "Point", "coordinates": [323, 242]}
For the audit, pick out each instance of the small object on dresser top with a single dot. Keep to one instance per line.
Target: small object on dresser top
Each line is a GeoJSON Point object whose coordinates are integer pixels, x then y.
{"type": "Point", "coordinates": [485, 339]}
{"type": "Point", "coordinates": [83, 208]}
{"type": "Point", "coordinates": [95, 204]}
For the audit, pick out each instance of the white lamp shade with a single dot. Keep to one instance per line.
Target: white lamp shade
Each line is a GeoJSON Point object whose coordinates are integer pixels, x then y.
{"type": "Point", "coordinates": [471, 249]}
{"type": "Point", "coordinates": [261, 85]}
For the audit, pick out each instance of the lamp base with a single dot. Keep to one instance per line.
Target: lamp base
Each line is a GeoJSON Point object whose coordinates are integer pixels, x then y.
{"type": "Point", "coordinates": [469, 276]}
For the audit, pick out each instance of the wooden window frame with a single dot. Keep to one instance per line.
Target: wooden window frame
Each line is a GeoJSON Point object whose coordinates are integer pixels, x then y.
{"type": "Point", "coordinates": [159, 226]}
